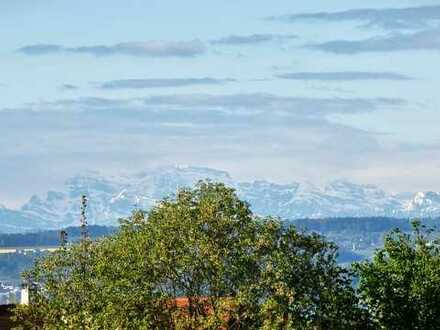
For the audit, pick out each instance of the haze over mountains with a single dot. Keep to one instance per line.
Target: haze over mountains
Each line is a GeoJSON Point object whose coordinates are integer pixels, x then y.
{"type": "Point", "coordinates": [114, 197]}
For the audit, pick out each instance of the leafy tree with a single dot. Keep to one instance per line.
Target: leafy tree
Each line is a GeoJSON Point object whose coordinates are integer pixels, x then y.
{"type": "Point", "coordinates": [401, 285]}
{"type": "Point", "coordinates": [236, 271]}
{"type": "Point", "coordinates": [300, 285]}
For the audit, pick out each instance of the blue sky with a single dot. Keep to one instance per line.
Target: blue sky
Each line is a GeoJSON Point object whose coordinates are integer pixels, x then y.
{"type": "Point", "coordinates": [278, 90]}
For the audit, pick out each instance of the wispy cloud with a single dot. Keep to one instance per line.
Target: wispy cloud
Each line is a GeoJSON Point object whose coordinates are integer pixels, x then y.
{"type": "Point", "coordinates": [274, 105]}
{"type": "Point", "coordinates": [423, 40]}
{"type": "Point", "coordinates": [387, 18]}
{"type": "Point", "coordinates": [123, 125]}
{"type": "Point", "coordinates": [41, 49]}
{"type": "Point", "coordinates": [216, 109]}
{"type": "Point", "coordinates": [159, 83]}
{"type": "Point", "coordinates": [257, 131]}
{"type": "Point", "coordinates": [68, 87]}
{"type": "Point", "coordinates": [344, 76]}
{"type": "Point", "coordinates": [235, 40]}
{"type": "Point", "coordinates": [140, 49]}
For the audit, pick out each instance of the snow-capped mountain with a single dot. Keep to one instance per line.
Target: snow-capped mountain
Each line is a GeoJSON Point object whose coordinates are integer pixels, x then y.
{"type": "Point", "coordinates": [424, 204]}
{"type": "Point", "coordinates": [111, 198]}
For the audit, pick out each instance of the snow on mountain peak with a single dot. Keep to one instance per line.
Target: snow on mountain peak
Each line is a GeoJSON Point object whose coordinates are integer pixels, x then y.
{"type": "Point", "coordinates": [111, 198]}
{"type": "Point", "coordinates": [424, 203]}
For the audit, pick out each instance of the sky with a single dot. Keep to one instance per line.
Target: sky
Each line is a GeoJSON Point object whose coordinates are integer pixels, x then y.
{"type": "Point", "coordinates": [281, 90]}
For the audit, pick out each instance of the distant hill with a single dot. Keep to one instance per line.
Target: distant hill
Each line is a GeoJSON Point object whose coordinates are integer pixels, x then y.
{"type": "Point", "coordinates": [329, 227]}
{"type": "Point", "coordinates": [357, 238]}
{"type": "Point", "coordinates": [50, 237]}
{"type": "Point", "coordinates": [114, 197]}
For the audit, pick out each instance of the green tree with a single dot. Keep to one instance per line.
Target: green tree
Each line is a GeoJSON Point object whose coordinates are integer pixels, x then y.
{"type": "Point", "coordinates": [401, 285]}
{"type": "Point", "coordinates": [236, 270]}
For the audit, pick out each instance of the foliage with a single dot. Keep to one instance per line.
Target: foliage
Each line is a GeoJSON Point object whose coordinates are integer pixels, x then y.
{"type": "Point", "coordinates": [237, 271]}
{"type": "Point", "coordinates": [401, 285]}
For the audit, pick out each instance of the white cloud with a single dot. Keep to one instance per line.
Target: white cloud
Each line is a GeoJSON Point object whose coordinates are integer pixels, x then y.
{"type": "Point", "coordinates": [139, 49]}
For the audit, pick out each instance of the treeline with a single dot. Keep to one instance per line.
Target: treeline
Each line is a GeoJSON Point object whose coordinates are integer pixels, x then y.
{"type": "Point", "coordinates": [359, 225]}
{"type": "Point", "coordinates": [347, 224]}
{"type": "Point", "coordinates": [51, 237]}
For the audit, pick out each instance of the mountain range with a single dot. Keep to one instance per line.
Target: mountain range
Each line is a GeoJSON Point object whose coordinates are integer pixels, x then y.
{"type": "Point", "coordinates": [111, 198]}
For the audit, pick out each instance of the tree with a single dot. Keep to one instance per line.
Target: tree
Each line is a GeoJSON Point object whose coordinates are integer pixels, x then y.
{"type": "Point", "coordinates": [235, 270]}
{"type": "Point", "coordinates": [401, 285]}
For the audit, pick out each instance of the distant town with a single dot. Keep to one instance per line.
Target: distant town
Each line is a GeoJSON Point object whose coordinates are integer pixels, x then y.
{"type": "Point", "coordinates": [10, 293]}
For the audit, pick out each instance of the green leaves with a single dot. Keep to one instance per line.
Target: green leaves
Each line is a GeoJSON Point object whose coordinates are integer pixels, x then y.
{"type": "Point", "coordinates": [237, 271]}
{"type": "Point", "coordinates": [401, 285]}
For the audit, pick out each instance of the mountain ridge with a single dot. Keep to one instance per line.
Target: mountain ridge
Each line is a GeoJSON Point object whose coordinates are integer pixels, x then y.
{"type": "Point", "coordinates": [114, 197]}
